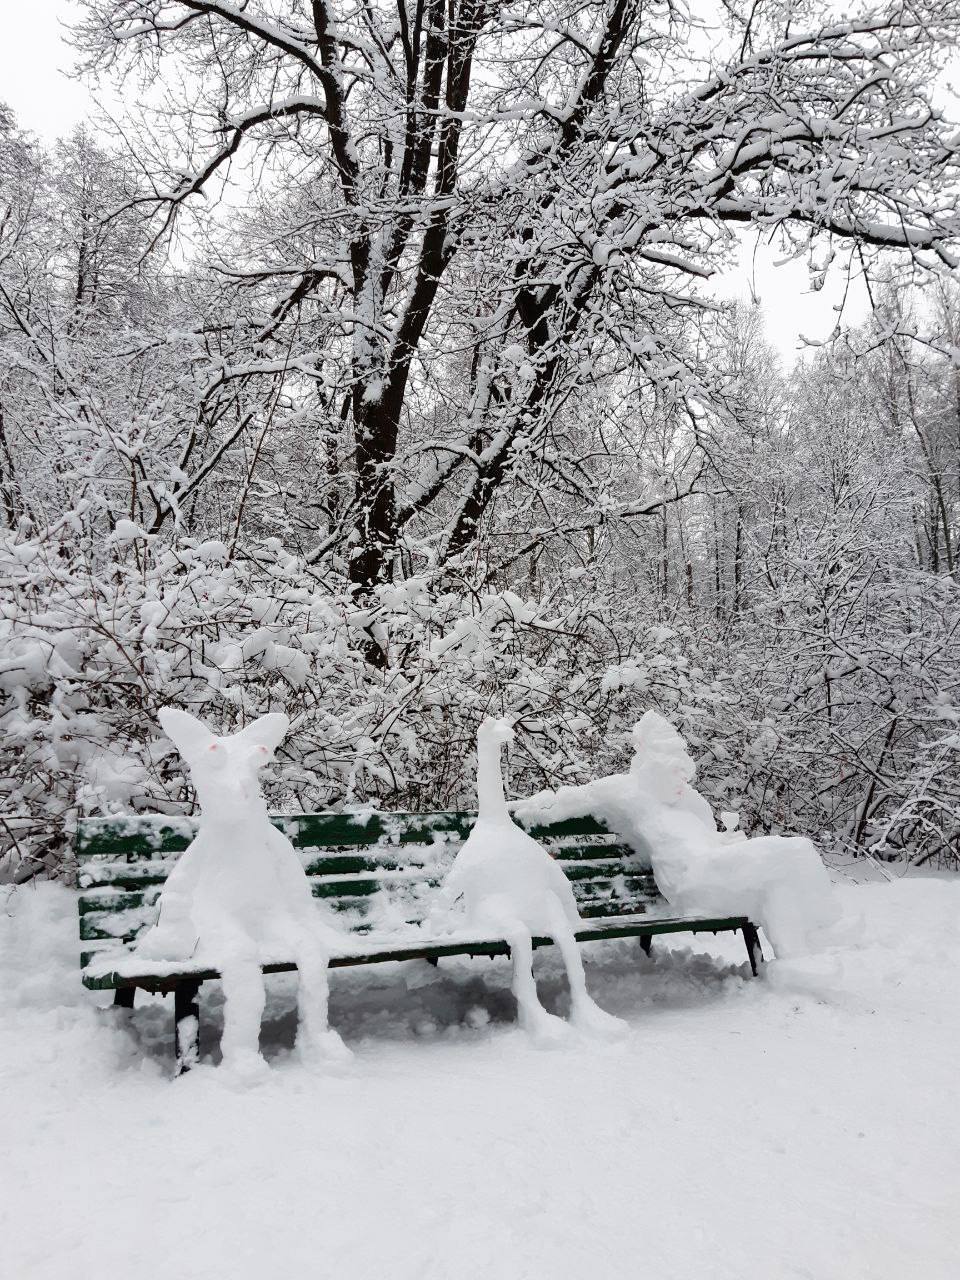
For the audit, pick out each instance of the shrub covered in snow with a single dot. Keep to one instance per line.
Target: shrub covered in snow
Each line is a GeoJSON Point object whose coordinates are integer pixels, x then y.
{"type": "Point", "coordinates": [91, 647]}
{"type": "Point", "coordinates": [96, 635]}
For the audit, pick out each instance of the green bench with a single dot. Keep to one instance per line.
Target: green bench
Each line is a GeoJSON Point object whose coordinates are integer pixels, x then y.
{"type": "Point", "coordinates": [380, 872]}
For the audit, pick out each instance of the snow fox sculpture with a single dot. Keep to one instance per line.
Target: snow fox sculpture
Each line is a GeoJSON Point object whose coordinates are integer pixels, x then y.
{"type": "Point", "coordinates": [239, 894]}
{"type": "Point", "coordinates": [510, 884]}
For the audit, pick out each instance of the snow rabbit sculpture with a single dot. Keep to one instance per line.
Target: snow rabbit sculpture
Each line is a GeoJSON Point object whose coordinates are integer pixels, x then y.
{"type": "Point", "coordinates": [511, 885]}
{"type": "Point", "coordinates": [238, 893]}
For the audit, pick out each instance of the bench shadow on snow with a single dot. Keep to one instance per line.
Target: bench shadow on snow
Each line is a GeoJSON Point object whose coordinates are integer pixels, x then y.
{"type": "Point", "coordinates": [458, 998]}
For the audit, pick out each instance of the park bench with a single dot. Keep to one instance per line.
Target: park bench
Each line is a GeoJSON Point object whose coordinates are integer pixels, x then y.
{"type": "Point", "coordinates": [380, 871]}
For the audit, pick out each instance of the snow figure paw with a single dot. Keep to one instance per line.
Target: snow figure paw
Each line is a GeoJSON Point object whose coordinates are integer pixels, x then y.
{"type": "Point", "coordinates": [546, 1030]}
{"type": "Point", "coordinates": [590, 1019]}
{"type": "Point", "coordinates": [324, 1051]}
{"type": "Point", "coordinates": [819, 977]}
{"type": "Point", "coordinates": [166, 943]}
{"type": "Point", "coordinates": [244, 1069]}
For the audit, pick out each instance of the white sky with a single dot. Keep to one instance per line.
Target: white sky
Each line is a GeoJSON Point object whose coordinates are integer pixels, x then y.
{"type": "Point", "coordinates": [35, 62]}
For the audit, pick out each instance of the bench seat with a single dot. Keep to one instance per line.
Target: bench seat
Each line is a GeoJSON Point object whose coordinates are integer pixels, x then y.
{"type": "Point", "coordinates": [107, 972]}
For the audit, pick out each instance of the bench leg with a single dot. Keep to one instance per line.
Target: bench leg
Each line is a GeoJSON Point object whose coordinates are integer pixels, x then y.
{"type": "Point", "coordinates": [123, 997]}
{"type": "Point", "coordinates": [646, 941]}
{"type": "Point", "coordinates": [186, 1018]}
{"type": "Point", "coordinates": [754, 950]}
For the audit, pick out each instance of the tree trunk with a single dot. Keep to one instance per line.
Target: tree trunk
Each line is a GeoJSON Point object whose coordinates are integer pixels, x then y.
{"type": "Point", "coordinates": [373, 553]}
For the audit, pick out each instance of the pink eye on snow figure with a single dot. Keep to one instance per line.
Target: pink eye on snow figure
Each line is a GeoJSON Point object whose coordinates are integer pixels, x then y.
{"type": "Point", "coordinates": [212, 746]}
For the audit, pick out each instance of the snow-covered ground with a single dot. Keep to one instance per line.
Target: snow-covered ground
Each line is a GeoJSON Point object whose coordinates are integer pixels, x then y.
{"type": "Point", "coordinates": [804, 1125]}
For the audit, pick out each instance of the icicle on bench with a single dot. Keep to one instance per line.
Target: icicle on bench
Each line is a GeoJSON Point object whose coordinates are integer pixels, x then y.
{"type": "Point", "coordinates": [379, 871]}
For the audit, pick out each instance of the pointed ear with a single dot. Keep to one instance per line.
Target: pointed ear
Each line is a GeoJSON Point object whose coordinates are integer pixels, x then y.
{"type": "Point", "coordinates": [638, 735]}
{"type": "Point", "coordinates": [269, 731]}
{"type": "Point", "coordinates": [188, 734]}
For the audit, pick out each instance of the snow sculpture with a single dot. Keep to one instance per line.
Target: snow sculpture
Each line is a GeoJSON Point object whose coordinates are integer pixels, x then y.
{"type": "Point", "coordinates": [779, 881]}
{"type": "Point", "coordinates": [239, 894]}
{"type": "Point", "coordinates": [510, 885]}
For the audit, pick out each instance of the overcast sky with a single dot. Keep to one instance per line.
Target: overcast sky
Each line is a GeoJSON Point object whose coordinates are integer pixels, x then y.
{"type": "Point", "coordinates": [34, 81]}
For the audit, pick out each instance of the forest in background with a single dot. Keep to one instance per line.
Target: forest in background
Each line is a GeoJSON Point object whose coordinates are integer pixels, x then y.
{"type": "Point", "coordinates": [425, 413]}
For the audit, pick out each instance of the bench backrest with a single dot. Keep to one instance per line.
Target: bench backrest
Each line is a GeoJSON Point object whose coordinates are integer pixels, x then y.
{"type": "Point", "coordinates": [379, 869]}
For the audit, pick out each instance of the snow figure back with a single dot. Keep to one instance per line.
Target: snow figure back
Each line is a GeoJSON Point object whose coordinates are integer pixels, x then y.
{"type": "Point", "coordinates": [239, 894]}
{"type": "Point", "coordinates": [510, 884]}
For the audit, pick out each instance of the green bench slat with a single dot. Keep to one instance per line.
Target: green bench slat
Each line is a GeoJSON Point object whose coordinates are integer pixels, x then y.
{"type": "Point", "coordinates": [137, 837]}
{"type": "Point", "coordinates": [100, 927]}
{"type": "Point", "coordinates": [148, 837]}
{"type": "Point", "coordinates": [598, 860]}
{"type": "Point", "coordinates": [347, 864]}
{"type": "Point", "coordinates": [118, 894]}
{"type": "Point", "coordinates": [123, 875]}
{"type": "Point", "coordinates": [118, 926]}
{"type": "Point", "coordinates": [124, 862]}
{"type": "Point", "coordinates": [138, 875]}
{"type": "Point", "coordinates": [614, 907]}
{"type": "Point", "coordinates": [107, 901]}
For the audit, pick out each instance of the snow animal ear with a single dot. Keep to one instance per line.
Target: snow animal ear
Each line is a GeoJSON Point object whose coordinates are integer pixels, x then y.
{"type": "Point", "coordinates": [266, 733]}
{"type": "Point", "coordinates": [188, 734]}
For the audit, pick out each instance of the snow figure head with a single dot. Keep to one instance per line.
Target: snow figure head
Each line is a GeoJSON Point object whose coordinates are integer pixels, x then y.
{"type": "Point", "coordinates": [225, 771]}
{"type": "Point", "coordinates": [662, 766]}
{"type": "Point", "coordinates": [491, 802]}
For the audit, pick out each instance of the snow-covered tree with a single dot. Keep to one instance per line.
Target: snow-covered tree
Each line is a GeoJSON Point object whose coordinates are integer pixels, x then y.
{"type": "Point", "coordinates": [474, 214]}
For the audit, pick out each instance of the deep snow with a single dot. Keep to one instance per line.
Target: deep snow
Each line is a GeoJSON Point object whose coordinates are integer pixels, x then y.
{"type": "Point", "coordinates": [802, 1126]}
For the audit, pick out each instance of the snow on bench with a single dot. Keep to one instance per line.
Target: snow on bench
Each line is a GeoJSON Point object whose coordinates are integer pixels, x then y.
{"type": "Point", "coordinates": [379, 871]}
